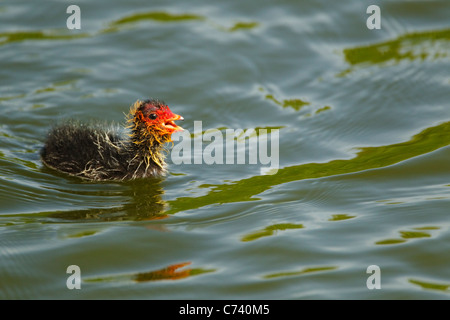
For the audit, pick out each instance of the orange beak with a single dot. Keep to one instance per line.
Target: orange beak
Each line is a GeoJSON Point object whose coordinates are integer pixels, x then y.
{"type": "Point", "coordinates": [170, 125]}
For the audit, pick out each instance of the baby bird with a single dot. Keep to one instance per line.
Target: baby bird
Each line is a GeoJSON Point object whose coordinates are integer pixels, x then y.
{"type": "Point", "coordinates": [96, 152]}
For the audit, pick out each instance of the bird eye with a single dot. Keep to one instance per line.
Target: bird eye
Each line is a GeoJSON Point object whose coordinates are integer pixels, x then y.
{"type": "Point", "coordinates": [153, 116]}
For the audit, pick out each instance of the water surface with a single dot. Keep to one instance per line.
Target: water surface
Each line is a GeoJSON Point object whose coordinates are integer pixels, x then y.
{"type": "Point", "coordinates": [364, 132]}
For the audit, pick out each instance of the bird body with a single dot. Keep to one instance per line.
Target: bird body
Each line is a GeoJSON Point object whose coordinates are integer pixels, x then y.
{"type": "Point", "coordinates": [96, 152]}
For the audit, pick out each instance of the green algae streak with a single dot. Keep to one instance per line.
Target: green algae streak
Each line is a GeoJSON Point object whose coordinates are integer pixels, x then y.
{"type": "Point", "coordinates": [16, 36]}
{"type": "Point", "coordinates": [270, 230]}
{"type": "Point", "coordinates": [431, 286]}
{"type": "Point", "coordinates": [297, 273]}
{"type": "Point", "coordinates": [158, 16]}
{"type": "Point", "coordinates": [400, 48]}
{"type": "Point", "coordinates": [369, 158]}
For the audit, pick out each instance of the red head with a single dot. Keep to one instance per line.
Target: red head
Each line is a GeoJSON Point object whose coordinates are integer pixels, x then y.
{"type": "Point", "coordinates": [157, 118]}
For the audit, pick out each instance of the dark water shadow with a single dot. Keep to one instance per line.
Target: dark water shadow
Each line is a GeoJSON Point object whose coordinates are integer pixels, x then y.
{"type": "Point", "coordinates": [144, 203]}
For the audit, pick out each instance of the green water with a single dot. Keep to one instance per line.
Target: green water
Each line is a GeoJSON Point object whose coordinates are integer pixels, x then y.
{"type": "Point", "coordinates": [364, 133]}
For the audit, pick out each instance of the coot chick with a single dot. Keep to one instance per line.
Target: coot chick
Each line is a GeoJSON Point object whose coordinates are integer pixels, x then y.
{"type": "Point", "coordinates": [97, 152]}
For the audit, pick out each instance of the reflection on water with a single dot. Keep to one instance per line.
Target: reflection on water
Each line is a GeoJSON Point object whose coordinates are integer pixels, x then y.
{"type": "Point", "coordinates": [271, 230]}
{"type": "Point", "coordinates": [298, 273]}
{"type": "Point", "coordinates": [296, 104]}
{"type": "Point", "coordinates": [364, 134]}
{"type": "Point", "coordinates": [159, 16]}
{"type": "Point", "coordinates": [431, 286]}
{"type": "Point", "coordinates": [145, 203]}
{"type": "Point", "coordinates": [367, 158]}
{"type": "Point", "coordinates": [165, 17]}
{"type": "Point", "coordinates": [9, 37]}
{"type": "Point", "coordinates": [411, 46]}
{"type": "Point", "coordinates": [171, 272]}
{"type": "Point", "coordinates": [339, 217]}
{"type": "Point", "coordinates": [405, 235]}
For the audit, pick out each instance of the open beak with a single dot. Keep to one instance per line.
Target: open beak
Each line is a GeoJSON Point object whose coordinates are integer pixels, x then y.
{"type": "Point", "coordinates": [171, 125]}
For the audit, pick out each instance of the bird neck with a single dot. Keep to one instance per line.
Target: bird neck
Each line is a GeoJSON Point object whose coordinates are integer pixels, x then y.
{"type": "Point", "coordinates": [148, 148]}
